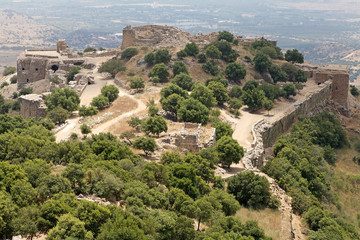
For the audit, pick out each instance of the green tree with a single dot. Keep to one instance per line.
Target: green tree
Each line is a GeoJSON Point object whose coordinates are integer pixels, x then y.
{"type": "Point", "coordinates": [13, 79]}
{"type": "Point", "coordinates": [235, 71]}
{"type": "Point", "coordinates": [268, 105]}
{"type": "Point", "coordinates": [235, 104]}
{"type": "Point", "coordinates": [294, 56]}
{"type": "Point", "coordinates": [110, 91]}
{"type": "Point", "coordinates": [192, 110]}
{"type": "Point", "coordinates": [219, 91]}
{"type": "Point", "coordinates": [250, 85]}
{"type": "Point", "coordinates": [162, 56]}
{"type": "Point", "coordinates": [155, 125]}
{"type": "Point", "coordinates": [9, 70]}
{"type": "Point", "coordinates": [69, 227]}
{"type": "Point", "coordinates": [160, 71]}
{"type": "Point", "coordinates": [25, 91]}
{"type": "Point", "coordinates": [202, 58]}
{"type": "Point", "coordinates": [89, 49]}
{"type": "Point", "coordinates": [203, 95]}
{"type": "Point", "coordinates": [181, 54]}
{"type": "Point", "coordinates": [171, 89]}
{"type": "Point", "coordinates": [93, 215]}
{"type": "Point", "coordinates": [253, 99]}
{"type": "Point", "coordinates": [35, 169]}
{"type": "Point", "coordinates": [249, 189]}
{"type": "Point", "coordinates": [184, 229]}
{"type": "Point", "coordinates": [184, 81]}
{"type": "Point", "coordinates": [262, 62]}
{"type": "Point", "coordinates": [289, 90]}
{"type": "Point", "coordinates": [100, 102]}
{"type": "Point", "coordinates": [222, 129]}
{"type": "Point", "coordinates": [26, 222]}
{"type": "Point", "coordinates": [137, 83]}
{"type": "Point", "coordinates": [75, 174]}
{"type": "Point", "coordinates": [85, 129]}
{"type": "Point", "coordinates": [128, 53]}
{"type": "Point", "coordinates": [179, 67]}
{"type": "Point", "coordinates": [219, 79]}
{"type": "Point", "coordinates": [225, 35]}
{"type": "Point", "coordinates": [150, 59]}
{"type": "Point", "coordinates": [213, 52]}
{"type": "Point", "coordinates": [66, 98]}
{"type": "Point", "coordinates": [300, 76]}
{"type": "Point", "coordinates": [6, 215]}
{"type": "Point", "coordinates": [146, 144]}
{"type": "Point", "coordinates": [112, 66]}
{"type": "Point", "coordinates": [229, 205]}
{"type": "Point", "coordinates": [135, 122]}
{"type": "Point", "coordinates": [121, 226]}
{"type": "Point", "coordinates": [203, 211]}
{"type": "Point", "coordinates": [52, 184]}
{"type": "Point", "coordinates": [87, 111]}
{"type": "Point", "coordinates": [127, 136]}
{"type": "Point", "coordinates": [58, 115]}
{"type": "Point", "coordinates": [277, 74]}
{"type": "Point", "coordinates": [210, 67]}
{"type": "Point", "coordinates": [172, 103]}
{"type": "Point", "coordinates": [191, 49]}
{"type": "Point", "coordinates": [290, 70]}
{"type": "Point", "coordinates": [354, 91]}
{"type": "Point", "coordinates": [22, 193]}
{"type": "Point", "coordinates": [72, 72]}
{"type": "Point", "coordinates": [235, 92]}
{"type": "Point", "coordinates": [229, 151]}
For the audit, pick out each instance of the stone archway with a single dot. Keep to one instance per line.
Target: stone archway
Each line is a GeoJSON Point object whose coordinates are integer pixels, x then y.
{"type": "Point", "coordinates": [54, 68]}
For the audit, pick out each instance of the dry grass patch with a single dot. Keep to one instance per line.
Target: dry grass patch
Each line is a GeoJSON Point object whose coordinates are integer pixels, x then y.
{"type": "Point", "coordinates": [269, 220]}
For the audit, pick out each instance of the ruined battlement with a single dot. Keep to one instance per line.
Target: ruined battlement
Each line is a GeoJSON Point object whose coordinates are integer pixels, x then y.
{"type": "Point", "coordinates": [337, 74]}
{"type": "Point", "coordinates": [165, 36]}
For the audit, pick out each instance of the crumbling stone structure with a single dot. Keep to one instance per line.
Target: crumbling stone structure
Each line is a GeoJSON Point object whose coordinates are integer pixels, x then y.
{"type": "Point", "coordinates": [165, 36]}
{"type": "Point", "coordinates": [32, 105]}
{"type": "Point", "coordinates": [337, 74]}
{"type": "Point", "coordinates": [192, 137]}
{"type": "Point", "coordinates": [35, 65]}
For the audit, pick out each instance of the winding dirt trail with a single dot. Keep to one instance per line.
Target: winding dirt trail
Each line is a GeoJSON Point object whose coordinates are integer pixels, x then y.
{"type": "Point", "coordinates": [106, 125]}
{"type": "Point", "coordinates": [290, 223]}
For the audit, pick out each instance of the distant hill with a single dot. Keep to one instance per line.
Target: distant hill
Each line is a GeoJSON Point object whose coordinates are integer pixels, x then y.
{"type": "Point", "coordinates": [18, 30]}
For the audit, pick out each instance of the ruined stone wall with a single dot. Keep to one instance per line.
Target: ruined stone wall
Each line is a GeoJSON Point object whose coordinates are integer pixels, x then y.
{"type": "Point", "coordinates": [30, 69]}
{"type": "Point", "coordinates": [305, 107]}
{"type": "Point", "coordinates": [32, 105]}
{"type": "Point", "coordinates": [340, 89]}
{"type": "Point", "coordinates": [165, 36]}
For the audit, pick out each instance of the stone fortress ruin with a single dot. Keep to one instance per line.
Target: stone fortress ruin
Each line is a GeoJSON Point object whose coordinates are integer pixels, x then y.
{"type": "Point", "coordinates": [35, 65]}
{"type": "Point", "coordinates": [167, 36]}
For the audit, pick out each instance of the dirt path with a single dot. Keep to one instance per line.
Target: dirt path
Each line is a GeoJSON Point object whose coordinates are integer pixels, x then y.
{"type": "Point", "coordinates": [291, 226]}
{"type": "Point", "coordinates": [105, 126]}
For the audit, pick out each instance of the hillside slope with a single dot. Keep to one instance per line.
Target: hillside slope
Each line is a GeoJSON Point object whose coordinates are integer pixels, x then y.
{"type": "Point", "coordinates": [17, 30]}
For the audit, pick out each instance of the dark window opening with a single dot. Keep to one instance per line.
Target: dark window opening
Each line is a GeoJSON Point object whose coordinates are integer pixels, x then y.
{"type": "Point", "coordinates": [54, 68]}
{"type": "Point", "coordinates": [27, 80]}
{"type": "Point", "coordinates": [78, 63]}
{"type": "Point", "coordinates": [89, 83]}
{"type": "Point", "coordinates": [319, 83]}
{"type": "Point", "coordinates": [36, 69]}
{"type": "Point", "coordinates": [23, 69]}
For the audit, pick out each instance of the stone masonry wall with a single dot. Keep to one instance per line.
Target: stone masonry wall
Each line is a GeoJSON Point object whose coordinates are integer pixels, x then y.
{"type": "Point", "coordinates": [305, 107]}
